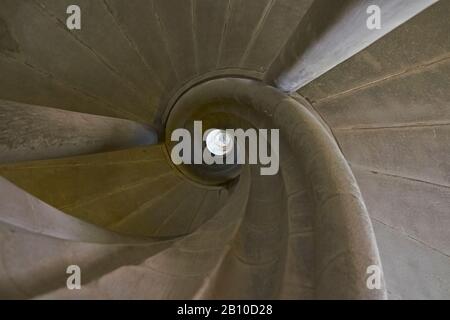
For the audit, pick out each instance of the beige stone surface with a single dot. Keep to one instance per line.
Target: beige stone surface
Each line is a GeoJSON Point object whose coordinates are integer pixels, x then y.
{"type": "Point", "coordinates": [80, 185]}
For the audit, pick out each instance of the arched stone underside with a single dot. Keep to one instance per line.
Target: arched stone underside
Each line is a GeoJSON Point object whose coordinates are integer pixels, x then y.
{"type": "Point", "coordinates": [305, 231]}
{"type": "Point", "coordinates": [87, 180]}
{"type": "Point", "coordinates": [345, 244]}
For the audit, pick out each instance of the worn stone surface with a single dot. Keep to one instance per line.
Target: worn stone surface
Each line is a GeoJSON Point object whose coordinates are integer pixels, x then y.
{"type": "Point", "coordinates": [407, 212]}
{"type": "Point", "coordinates": [388, 108]}
{"type": "Point", "coordinates": [240, 240]}
{"type": "Point", "coordinates": [341, 223]}
{"type": "Point", "coordinates": [406, 260]}
{"type": "Point", "coordinates": [302, 234]}
{"type": "Point", "coordinates": [419, 153]}
{"type": "Point", "coordinates": [29, 132]}
{"type": "Point", "coordinates": [417, 43]}
{"type": "Point", "coordinates": [332, 32]}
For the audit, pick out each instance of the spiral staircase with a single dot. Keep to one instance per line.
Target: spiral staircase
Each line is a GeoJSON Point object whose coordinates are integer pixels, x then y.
{"type": "Point", "coordinates": [87, 180]}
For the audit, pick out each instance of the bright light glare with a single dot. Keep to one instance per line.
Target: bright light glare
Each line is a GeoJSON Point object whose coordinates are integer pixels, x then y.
{"type": "Point", "coordinates": [219, 142]}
